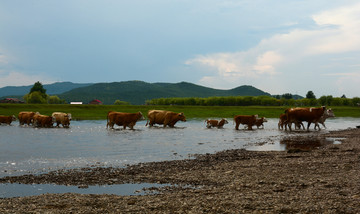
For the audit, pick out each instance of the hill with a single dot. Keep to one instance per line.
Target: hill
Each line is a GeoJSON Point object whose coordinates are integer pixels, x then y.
{"type": "Point", "coordinates": [137, 92]}
{"type": "Point", "coordinates": [51, 89]}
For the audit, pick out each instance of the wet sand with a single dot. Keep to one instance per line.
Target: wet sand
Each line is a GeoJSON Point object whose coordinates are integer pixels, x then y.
{"type": "Point", "coordinates": [300, 180]}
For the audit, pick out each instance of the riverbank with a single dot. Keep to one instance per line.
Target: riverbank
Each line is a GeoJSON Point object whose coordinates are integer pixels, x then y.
{"type": "Point", "coordinates": [321, 180]}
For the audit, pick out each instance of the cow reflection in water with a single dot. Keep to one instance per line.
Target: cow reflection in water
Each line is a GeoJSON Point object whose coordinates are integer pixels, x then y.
{"type": "Point", "coordinates": [123, 119]}
{"type": "Point", "coordinates": [166, 118]}
{"type": "Point", "coordinates": [303, 144]}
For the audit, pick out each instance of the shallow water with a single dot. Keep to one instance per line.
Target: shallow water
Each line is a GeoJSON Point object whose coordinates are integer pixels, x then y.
{"type": "Point", "coordinates": [88, 143]}
{"type": "Point", "coordinates": [17, 190]}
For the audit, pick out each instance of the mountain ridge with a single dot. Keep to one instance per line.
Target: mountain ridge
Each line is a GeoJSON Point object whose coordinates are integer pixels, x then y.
{"type": "Point", "coordinates": [135, 92]}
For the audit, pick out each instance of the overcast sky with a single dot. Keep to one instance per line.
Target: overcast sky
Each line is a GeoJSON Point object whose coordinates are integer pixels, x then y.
{"type": "Point", "coordinates": [277, 46]}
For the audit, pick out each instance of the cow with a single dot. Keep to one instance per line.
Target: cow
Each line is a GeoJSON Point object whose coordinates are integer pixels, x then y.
{"type": "Point", "coordinates": [260, 122]}
{"type": "Point", "coordinates": [7, 119]}
{"type": "Point", "coordinates": [167, 118]}
{"type": "Point", "coordinates": [328, 113]}
{"type": "Point", "coordinates": [123, 119]}
{"type": "Point", "coordinates": [282, 122]}
{"type": "Point", "coordinates": [216, 123]}
{"type": "Point", "coordinates": [248, 120]}
{"type": "Point", "coordinates": [62, 118]}
{"type": "Point", "coordinates": [26, 117]}
{"type": "Point", "coordinates": [310, 115]}
{"type": "Point", "coordinates": [43, 121]}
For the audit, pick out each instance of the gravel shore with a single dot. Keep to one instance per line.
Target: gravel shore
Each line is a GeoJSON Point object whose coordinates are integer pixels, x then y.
{"type": "Point", "coordinates": [324, 179]}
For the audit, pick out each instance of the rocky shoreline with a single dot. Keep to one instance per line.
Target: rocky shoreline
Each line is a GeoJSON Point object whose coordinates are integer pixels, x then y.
{"type": "Point", "coordinates": [301, 180]}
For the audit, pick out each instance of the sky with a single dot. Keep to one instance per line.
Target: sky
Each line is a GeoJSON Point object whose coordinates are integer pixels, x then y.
{"type": "Point", "coordinates": [278, 46]}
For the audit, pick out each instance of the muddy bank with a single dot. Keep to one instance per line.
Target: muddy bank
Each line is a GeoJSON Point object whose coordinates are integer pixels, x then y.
{"type": "Point", "coordinates": [323, 180]}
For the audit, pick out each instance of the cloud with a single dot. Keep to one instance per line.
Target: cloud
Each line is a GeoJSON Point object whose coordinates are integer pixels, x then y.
{"type": "Point", "coordinates": [14, 78]}
{"type": "Point", "coordinates": [285, 55]}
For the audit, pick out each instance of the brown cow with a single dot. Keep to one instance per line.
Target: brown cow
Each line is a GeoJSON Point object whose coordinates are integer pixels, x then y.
{"type": "Point", "coordinates": [310, 115]}
{"type": "Point", "coordinates": [167, 118]}
{"type": "Point", "coordinates": [248, 120]}
{"type": "Point", "coordinates": [260, 122]}
{"type": "Point", "coordinates": [26, 117]}
{"type": "Point", "coordinates": [123, 119]}
{"type": "Point", "coordinates": [7, 119]}
{"type": "Point", "coordinates": [43, 121]}
{"type": "Point", "coordinates": [62, 118]}
{"type": "Point", "coordinates": [216, 123]}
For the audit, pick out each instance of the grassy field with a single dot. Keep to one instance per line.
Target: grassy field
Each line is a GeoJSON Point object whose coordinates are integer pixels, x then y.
{"type": "Point", "coordinates": [98, 112]}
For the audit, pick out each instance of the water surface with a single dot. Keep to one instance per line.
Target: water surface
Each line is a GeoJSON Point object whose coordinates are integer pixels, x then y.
{"type": "Point", "coordinates": [88, 143]}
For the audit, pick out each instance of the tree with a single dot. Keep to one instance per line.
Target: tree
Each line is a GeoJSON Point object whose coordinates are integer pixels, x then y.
{"type": "Point", "coordinates": [287, 96]}
{"type": "Point", "coordinates": [38, 87]}
{"type": "Point", "coordinates": [37, 94]}
{"type": "Point", "coordinates": [35, 97]}
{"type": "Point", "coordinates": [310, 95]}
{"type": "Point", "coordinates": [55, 100]}
{"type": "Point", "coordinates": [118, 102]}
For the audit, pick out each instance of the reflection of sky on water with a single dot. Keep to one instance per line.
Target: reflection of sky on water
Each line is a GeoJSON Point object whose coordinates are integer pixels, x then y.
{"type": "Point", "coordinates": [89, 143]}
{"type": "Point", "coordinates": [16, 190]}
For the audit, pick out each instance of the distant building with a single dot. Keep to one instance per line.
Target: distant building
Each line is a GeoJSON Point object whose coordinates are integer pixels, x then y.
{"type": "Point", "coordinates": [96, 102]}
{"type": "Point", "coordinates": [11, 100]}
{"type": "Point", "coordinates": [76, 103]}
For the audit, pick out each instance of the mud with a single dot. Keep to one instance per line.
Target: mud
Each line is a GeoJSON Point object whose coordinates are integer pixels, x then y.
{"type": "Point", "coordinates": [321, 179]}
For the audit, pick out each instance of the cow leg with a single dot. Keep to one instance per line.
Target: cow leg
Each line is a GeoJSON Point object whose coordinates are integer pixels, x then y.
{"type": "Point", "coordinates": [308, 126]}
{"type": "Point", "coordinates": [301, 124]}
{"type": "Point", "coordinates": [322, 123]}
{"type": "Point", "coordinates": [111, 125]}
{"type": "Point", "coordinates": [237, 126]}
{"type": "Point", "coordinates": [287, 124]}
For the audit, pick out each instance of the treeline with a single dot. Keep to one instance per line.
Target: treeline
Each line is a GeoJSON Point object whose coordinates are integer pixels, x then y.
{"type": "Point", "coordinates": [255, 100]}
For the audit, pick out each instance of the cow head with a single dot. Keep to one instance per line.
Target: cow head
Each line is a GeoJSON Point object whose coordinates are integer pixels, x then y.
{"type": "Point", "coordinates": [182, 117]}
{"type": "Point", "coordinates": [264, 119]}
{"type": "Point", "coordinates": [329, 113]}
{"type": "Point", "coordinates": [69, 116]}
{"type": "Point", "coordinates": [225, 121]}
{"type": "Point", "coordinates": [141, 116]}
{"type": "Point", "coordinates": [13, 118]}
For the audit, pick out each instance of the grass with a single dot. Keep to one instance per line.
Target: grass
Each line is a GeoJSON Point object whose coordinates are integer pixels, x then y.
{"type": "Point", "coordinates": [99, 112]}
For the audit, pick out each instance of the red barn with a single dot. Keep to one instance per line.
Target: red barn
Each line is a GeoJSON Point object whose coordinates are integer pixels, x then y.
{"type": "Point", "coordinates": [96, 102]}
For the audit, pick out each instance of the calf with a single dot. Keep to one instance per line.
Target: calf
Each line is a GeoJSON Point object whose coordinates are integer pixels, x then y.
{"type": "Point", "coordinates": [216, 123]}
{"type": "Point", "coordinates": [328, 113]}
{"type": "Point", "coordinates": [7, 119]}
{"type": "Point", "coordinates": [282, 122]}
{"type": "Point", "coordinates": [260, 122]}
{"type": "Point", "coordinates": [248, 120]}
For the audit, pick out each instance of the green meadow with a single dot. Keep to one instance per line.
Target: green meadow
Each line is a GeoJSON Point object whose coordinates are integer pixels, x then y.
{"type": "Point", "coordinates": [99, 112]}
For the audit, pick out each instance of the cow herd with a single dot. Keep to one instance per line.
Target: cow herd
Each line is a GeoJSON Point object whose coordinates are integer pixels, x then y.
{"type": "Point", "coordinates": [38, 120]}
{"type": "Point", "coordinates": [168, 118]}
